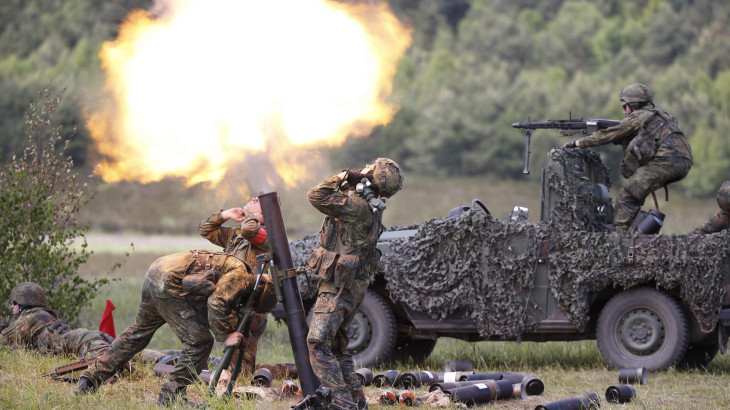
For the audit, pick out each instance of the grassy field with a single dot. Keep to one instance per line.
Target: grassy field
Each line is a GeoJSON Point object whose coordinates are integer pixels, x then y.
{"type": "Point", "coordinates": [567, 369]}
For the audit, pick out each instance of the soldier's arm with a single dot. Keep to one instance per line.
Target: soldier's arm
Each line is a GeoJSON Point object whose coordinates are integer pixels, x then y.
{"type": "Point", "coordinates": [628, 127]}
{"type": "Point", "coordinates": [252, 230]}
{"type": "Point", "coordinates": [235, 283]}
{"type": "Point", "coordinates": [716, 223]}
{"type": "Point", "coordinates": [211, 229]}
{"type": "Point", "coordinates": [330, 200]}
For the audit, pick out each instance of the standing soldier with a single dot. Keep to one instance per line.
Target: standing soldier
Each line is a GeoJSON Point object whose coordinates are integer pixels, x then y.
{"type": "Point", "coordinates": [345, 263]}
{"type": "Point", "coordinates": [38, 328]}
{"type": "Point", "coordinates": [244, 242]}
{"type": "Point", "coordinates": [656, 151]}
{"type": "Point", "coordinates": [720, 220]}
{"type": "Point", "coordinates": [194, 293]}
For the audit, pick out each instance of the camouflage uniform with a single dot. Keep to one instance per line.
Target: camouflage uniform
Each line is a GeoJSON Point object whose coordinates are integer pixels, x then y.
{"type": "Point", "coordinates": [647, 171]}
{"type": "Point", "coordinates": [721, 220]}
{"type": "Point", "coordinates": [345, 263]}
{"type": "Point", "coordinates": [191, 317]}
{"type": "Point", "coordinates": [244, 242]}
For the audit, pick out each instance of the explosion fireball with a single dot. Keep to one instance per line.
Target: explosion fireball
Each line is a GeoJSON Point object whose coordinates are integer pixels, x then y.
{"type": "Point", "coordinates": [199, 88]}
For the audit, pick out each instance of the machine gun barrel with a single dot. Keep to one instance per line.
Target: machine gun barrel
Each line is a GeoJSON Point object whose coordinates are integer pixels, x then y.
{"type": "Point", "coordinates": [293, 307]}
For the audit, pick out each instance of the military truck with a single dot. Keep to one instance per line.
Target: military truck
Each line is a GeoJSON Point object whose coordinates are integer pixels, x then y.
{"type": "Point", "coordinates": [650, 301]}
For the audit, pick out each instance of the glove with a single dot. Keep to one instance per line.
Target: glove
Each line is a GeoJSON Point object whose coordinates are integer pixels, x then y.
{"type": "Point", "coordinates": [354, 177]}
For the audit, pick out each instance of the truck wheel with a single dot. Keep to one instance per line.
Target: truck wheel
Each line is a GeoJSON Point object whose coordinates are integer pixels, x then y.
{"type": "Point", "coordinates": [372, 333]}
{"type": "Point", "coordinates": [413, 349]}
{"type": "Point", "coordinates": [642, 327]}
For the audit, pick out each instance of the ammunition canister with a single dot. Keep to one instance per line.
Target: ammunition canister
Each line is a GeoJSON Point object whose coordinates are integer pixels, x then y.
{"type": "Point", "coordinates": [409, 380]}
{"type": "Point", "coordinates": [406, 398]}
{"type": "Point", "coordinates": [582, 402]}
{"type": "Point", "coordinates": [518, 392]}
{"type": "Point", "coordinates": [428, 378]}
{"type": "Point", "coordinates": [386, 379]}
{"type": "Point", "coordinates": [388, 397]}
{"type": "Point", "coordinates": [532, 386]}
{"type": "Point", "coordinates": [289, 388]}
{"type": "Point", "coordinates": [262, 377]}
{"type": "Point", "coordinates": [632, 376]}
{"type": "Point", "coordinates": [365, 375]}
{"type": "Point", "coordinates": [621, 394]}
{"type": "Point", "coordinates": [459, 366]}
{"type": "Point", "coordinates": [475, 394]}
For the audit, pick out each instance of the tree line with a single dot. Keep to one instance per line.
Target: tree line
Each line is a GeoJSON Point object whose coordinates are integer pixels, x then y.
{"type": "Point", "coordinates": [475, 67]}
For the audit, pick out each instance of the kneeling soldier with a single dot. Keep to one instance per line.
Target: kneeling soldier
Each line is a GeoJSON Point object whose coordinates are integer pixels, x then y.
{"type": "Point", "coordinates": [193, 292]}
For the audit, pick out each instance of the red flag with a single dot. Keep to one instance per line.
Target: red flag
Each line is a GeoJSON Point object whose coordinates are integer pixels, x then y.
{"type": "Point", "coordinates": [107, 320]}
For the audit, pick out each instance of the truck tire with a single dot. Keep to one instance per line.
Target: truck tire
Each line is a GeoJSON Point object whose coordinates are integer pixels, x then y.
{"type": "Point", "coordinates": [700, 354]}
{"type": "Point", "coordinates": [418, 350]}
{"type": "Point", "coordinates": [373, 331]}
{"type": "Point", "coordinates": [642, 327]}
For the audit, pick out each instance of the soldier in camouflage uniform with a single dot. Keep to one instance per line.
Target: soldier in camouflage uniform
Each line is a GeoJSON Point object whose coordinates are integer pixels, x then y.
{"type": "Point", "coordinates": [244, 242]}
{"type": "Point", "coordinates": [656, 151]}
{"type": "Point", "coordinates": [345, 263]}
{"type": "Point", "coordinates": [194, 293]}
{"type": "Point", "coordinates": [38, 328]}
{"type": "Point", "coordinates": [720, 220]}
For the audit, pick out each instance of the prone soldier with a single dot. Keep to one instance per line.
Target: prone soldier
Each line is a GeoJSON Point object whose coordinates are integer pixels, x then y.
{"type": "Point", "coordinates": [244, 242]}
{"type": "Point", "coordinates": [345, 263]}
{"type": "Point", "coordinates": [194, 293]}
{"type": "Point", "coordinates": [720, 220]}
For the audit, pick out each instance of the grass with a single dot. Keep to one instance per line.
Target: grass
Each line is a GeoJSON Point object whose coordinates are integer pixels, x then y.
{"type": "Point", "coordinates": [160, 219]}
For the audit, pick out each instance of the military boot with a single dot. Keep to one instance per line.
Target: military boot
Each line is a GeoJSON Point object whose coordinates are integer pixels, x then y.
{"type": "Point", "coordinates": [85, 386]}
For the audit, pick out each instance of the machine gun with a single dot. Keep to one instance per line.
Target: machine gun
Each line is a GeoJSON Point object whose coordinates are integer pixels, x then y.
{"type": "Point", "coordinates": [571, 126]}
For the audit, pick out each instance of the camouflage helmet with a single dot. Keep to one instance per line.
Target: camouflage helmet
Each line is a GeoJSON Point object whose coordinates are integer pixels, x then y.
{"type": "Point", "coordinates": [636, 93]}
{"type": "Point", "coordinates": [29, 294]}
{"type": "Point", "coordinates": [387, 177]}
{"type": "Point", "coordinates": [723, 196]}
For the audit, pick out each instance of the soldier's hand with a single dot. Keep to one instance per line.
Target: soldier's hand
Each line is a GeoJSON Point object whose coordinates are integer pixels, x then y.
{"type": "Point", "coordinates": [233, 339]}
{"type": "Point", "coordinates": [572, 144]}
{"type": "Point", "coordinates": [236, 214]}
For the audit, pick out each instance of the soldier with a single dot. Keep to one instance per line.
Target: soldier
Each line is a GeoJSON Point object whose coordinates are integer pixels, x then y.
{"type": "Point", "coordinates": [194, 293]}
{"type": "Point", "coordinates": [656, 151]}
{"type": "Point", "coordinates": [720, 220]}
{"type": "Point", "coordinates": [38, 328]}
{"type": "Point", "coordinates": [244, 242]}
{"type": "Point", "coordinates": [345, 263]}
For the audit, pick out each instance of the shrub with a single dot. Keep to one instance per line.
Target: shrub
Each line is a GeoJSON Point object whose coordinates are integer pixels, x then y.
{"type": "Point", "coordinates": [40, 196]}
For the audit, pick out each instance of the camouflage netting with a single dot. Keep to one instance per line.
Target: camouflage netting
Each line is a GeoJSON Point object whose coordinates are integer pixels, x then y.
{"type": "Point", "coordinates": [486, 267]}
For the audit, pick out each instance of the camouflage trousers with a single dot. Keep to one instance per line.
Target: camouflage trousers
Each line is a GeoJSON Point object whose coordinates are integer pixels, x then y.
{"type": "Point", "coordinates": [656, 174]}
{"type": "Point", "coordinates": [188, 324]}
{"type": "Point", "coordinates": [327, 341]}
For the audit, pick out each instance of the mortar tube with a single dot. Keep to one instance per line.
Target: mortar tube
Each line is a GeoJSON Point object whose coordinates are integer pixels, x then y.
{"type": "Point", "coordinates": [632, 376]}
{"type": "Point", "coordinates": [475, 394]}
{"type": "Point", "coordinates": [365, 375]}
{"type": "Point", "coordinates": [293, 307]}
{"type": "Point", "coordinates": [459, 366]}
{"type": "Point", "coordinates": [621, 394]}
{"type": "Point", "coordinates": [584, 401]}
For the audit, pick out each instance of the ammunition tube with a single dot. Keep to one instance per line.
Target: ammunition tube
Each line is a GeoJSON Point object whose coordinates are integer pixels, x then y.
{"type": "Point", "coordinates": [475, 394]}
{"type": "Point", "coordinates": [386, 379]}
{"type": "Point", "coordinates": [518, 392]}
{"type": "Point", "coordinates": [388, 397]}
{"type": "Point", "coordinates": [621, 394]}
{"type": "Point", "coordinates": [583, 401]}
{"type": "Point", "coordinates": [406, 398]}
{"type": "Point", "coordinates": [262, 377]}
{"type": "Point", "coordinates": [428, 378]}
{"type": "Point", "coordinates": [409, 380]}
{"type": "Point", "coordinates": [532, 386]}
{"type": "Point", "coordinates": [289, 389]}
{"type": "Point", "coordinates": [632, 376]}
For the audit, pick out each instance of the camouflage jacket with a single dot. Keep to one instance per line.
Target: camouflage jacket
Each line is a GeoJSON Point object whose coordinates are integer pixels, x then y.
{"type": "Point", "coordinates": [39, 329]}
{"type": "Point", "coordinates": [716, 223]}
{"type": "Point", "coordinates": [235, 241]}
{"type": "Point", "coordinates": [656, 124]}
{"type": "Point", "coordinates": [232, 277]}
{"type": "Point", "coordinates": [345, 231]}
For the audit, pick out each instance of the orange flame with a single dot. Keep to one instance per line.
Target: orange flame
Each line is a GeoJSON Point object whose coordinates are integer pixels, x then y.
{"type": "Point", "coordinates": [197, 90]}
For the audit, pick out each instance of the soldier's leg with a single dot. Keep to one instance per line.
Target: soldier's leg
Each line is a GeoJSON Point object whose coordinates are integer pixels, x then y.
{"type": "Point", "coordinates": [130, 342]}
{"type": "Point", "coordinates": [258, 325]}
{"type": "Point", "coordinates": [191, 327]}
{"type": "Point", "coordinates": [328, 315]}
{"type": "Point", "coordinates": [647, 179]}
{"type": "Point", "coordinates": [347, 364]}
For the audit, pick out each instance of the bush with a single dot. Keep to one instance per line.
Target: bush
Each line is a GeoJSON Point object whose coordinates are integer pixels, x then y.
{"type": "Point", "coordinates": [40, 197]}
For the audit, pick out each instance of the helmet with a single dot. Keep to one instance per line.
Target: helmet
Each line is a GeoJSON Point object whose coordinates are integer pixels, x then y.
{"type": "Point", "coordinates": [636, 93]}
{"type": "Point", "coordinates": [723, 196]}
{"type": "Point", "coordinates": [387, 177]}
{"type": "Point", "coordinates": [29, 294]}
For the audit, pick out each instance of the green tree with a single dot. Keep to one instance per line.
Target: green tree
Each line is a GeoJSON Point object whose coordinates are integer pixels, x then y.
{"type": "Point", "coordinates": [40, 196]}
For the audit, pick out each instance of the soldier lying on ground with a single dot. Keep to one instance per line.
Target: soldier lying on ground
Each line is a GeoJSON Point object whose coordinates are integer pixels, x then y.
{"type": "Point", "coordinates": [720, 220]}
{"type": "Point", "coordinates": [194, 293]}
{"type": "Point", "coordinates": [244, 242]}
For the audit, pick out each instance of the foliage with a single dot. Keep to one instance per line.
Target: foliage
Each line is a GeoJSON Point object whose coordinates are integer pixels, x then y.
{"type": "Point", "coordinates": [40, 197]}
